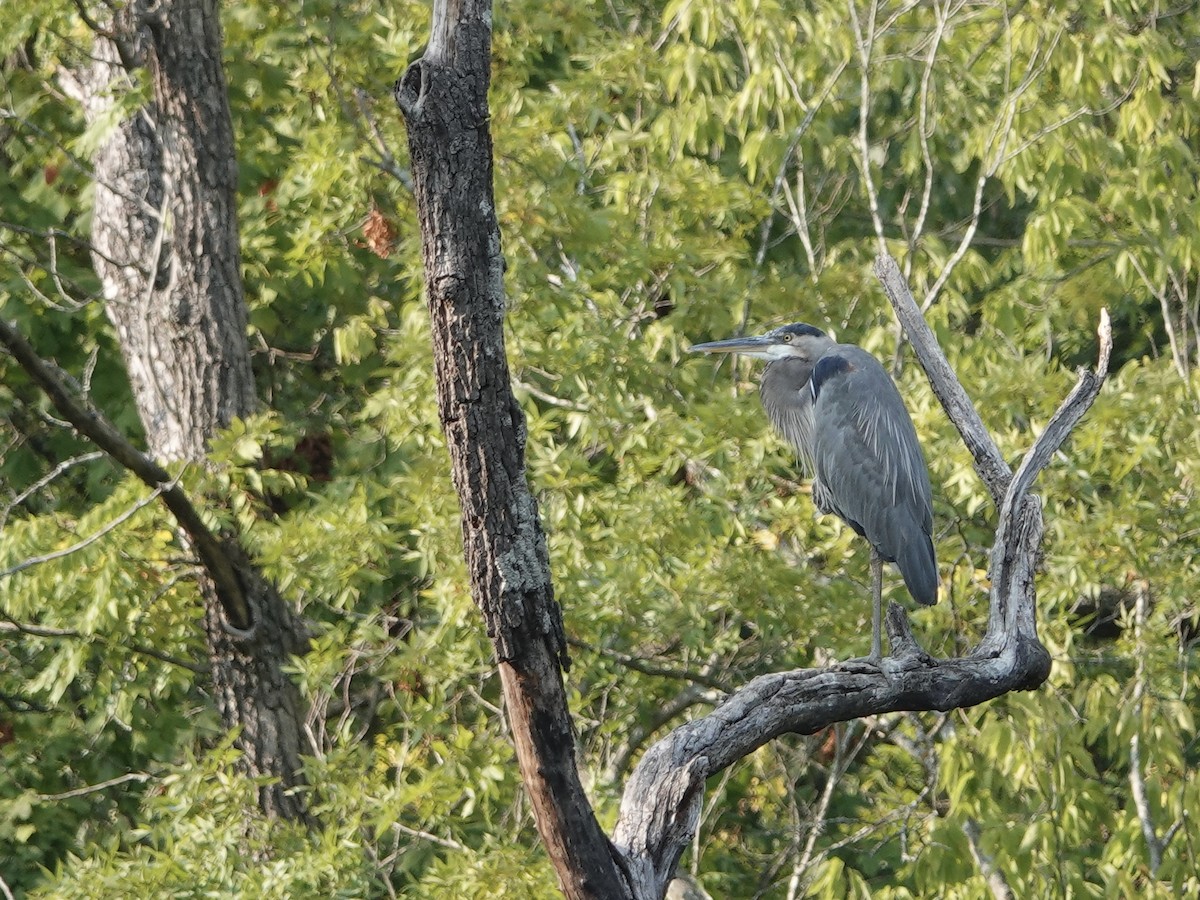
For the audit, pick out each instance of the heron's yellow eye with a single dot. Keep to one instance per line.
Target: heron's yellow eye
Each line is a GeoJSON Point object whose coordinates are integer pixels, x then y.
{"type": "Point", "coordinates": [787, 338]}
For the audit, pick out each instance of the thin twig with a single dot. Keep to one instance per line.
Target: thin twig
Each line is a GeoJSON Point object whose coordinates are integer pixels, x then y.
{"type": "Point", "coordinates": [638, 735]}
{"type": "Point", "coordinates": [987, 866]}
{"type": "Point", "coordinates": [1137, 781]}
{"type": "Point", "coordinates": [78, 162]}
{"type": "Point", "coordinates": [31, 561]}
{"type": "Point", "coordinates": [93, 788]}
{"type": "Point", "coordinates": [647, 668]}
{"type": "Point", "coordinates": [1178, 351]}
{"type": "Point", "coordinates": [448, 843]}
{"type": "Point", "coordinates": [865, 44]}
{"type": "Point", "coordinates": [798, 203]}
{"type": "Point", "coordinates": [383, 866]}
{"type": "Point", "coordinates": [942, 19]}
{"type": "Point", "coordinates": [841, 763]}
{"type": "Point", "coordinates": [46, 479]}
{"type": "Point", "coordinates": [11, 625]}
{"type": "Point", "coordinates": [549, 398]}
{"type": "Point", "coordinates": [14, 703]}
{"type": "Point", "coordinates": [213, 554]}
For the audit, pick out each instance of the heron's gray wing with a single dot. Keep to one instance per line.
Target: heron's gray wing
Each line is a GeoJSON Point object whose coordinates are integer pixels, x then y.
{"type": "Point", "coordinates": [869, 466]}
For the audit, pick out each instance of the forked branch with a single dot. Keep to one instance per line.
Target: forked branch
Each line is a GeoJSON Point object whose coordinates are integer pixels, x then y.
{"type": "Point", "coordinates": [662, 799]}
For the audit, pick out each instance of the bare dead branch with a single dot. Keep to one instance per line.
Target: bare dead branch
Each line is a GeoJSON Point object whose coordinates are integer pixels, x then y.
{"type": "Point", "coordinates": [443, 98]}
{"type": "Point", "coordinates": [1067, 416]}
{"type": "Point", "coordinates": [1003, 616]}
{"type": "Point", "coordinates": [662, 797]}
{"type": "Point", "coordinates": [950, 393]}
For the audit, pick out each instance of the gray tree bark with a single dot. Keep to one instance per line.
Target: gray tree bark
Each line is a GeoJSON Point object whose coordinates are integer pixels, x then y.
{"type": "Point", "coordinates": [444, 101]}
{"type": "Point", "coordinates": [443, 98]}
{"type": "Point", "coordinates": [165, 245]}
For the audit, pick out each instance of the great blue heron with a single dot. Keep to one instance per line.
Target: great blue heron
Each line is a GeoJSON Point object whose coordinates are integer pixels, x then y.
{"type": "Point", "coordinates": [841, 411]}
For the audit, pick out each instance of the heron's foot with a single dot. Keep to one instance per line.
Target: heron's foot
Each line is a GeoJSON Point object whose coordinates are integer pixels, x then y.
{"type": "Point", "coordinates": [862, 665]}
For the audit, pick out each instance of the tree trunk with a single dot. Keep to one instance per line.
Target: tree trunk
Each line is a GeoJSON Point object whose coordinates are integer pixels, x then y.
{"type": "Point", "coordinates": [444, 100]}
{"type": "Point", "coordinates": [165, 245]}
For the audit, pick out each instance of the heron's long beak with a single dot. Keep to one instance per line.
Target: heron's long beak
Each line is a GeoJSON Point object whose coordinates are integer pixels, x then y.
{"type": "Point", "coordinates": [758, 346]}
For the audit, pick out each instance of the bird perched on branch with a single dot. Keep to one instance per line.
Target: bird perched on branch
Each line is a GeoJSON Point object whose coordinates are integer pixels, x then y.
{"type": "Point", "coordinates": [840, 409]}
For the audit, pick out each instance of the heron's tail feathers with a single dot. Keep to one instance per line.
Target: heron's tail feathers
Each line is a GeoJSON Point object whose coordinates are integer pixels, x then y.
{"type": "Point", "coordinates": [918, 565]}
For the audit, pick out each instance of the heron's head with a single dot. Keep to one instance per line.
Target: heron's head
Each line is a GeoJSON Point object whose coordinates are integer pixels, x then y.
{"type": "Point", "coordinates": [798, 341]}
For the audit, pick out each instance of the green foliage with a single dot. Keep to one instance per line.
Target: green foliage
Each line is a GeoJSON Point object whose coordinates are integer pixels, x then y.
{"type": "Point", "coordinates": [666, 173]}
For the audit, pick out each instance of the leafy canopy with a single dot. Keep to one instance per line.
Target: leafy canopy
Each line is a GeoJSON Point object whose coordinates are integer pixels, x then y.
{"type": "Point", "coordinates": [666, 173]}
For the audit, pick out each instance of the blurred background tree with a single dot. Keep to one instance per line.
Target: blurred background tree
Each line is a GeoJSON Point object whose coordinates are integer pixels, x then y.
{"type": "Point", "coordinates": [666, 173]}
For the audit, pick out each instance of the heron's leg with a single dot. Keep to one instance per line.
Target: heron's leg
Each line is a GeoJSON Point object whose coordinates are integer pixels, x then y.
{"type": "Point", "coordinates": [870, 664]}
{"type": "Point", "coordinates": [876, 606]}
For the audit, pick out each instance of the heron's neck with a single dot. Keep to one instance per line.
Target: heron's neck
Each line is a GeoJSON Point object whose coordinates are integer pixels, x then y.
{"type": "Point", "coordinates": [785, 382]}
{"type": "Point", "coordinates": [787, 401]}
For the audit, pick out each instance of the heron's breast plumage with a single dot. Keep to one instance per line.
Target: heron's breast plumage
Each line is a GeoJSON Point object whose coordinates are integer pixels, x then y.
{"type": "Point", "coordinates": [787, 400]}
